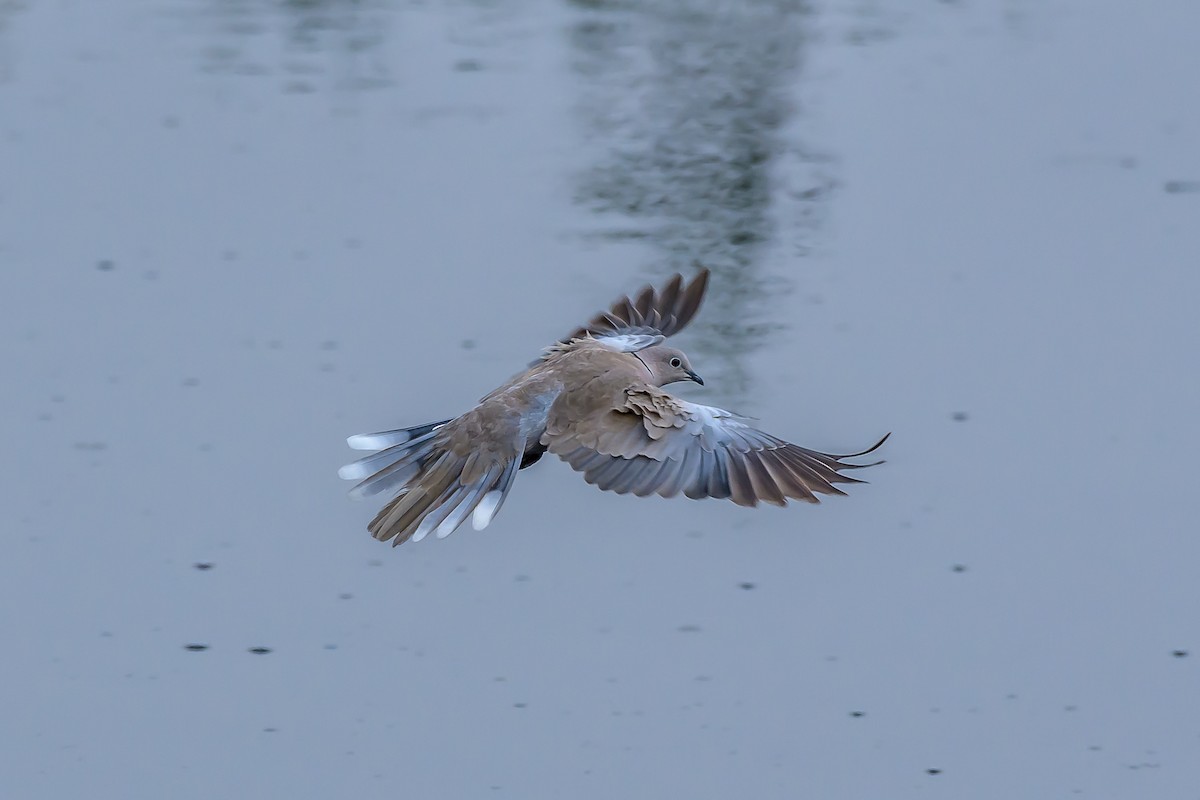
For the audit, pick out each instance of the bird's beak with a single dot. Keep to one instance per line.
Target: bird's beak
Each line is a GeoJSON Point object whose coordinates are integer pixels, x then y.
{"type": "Point", "coordinates": [695, 377]}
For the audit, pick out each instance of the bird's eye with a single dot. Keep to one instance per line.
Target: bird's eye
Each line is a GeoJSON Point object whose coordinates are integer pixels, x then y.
{"type": "Point", "coordinates": [675, 362]}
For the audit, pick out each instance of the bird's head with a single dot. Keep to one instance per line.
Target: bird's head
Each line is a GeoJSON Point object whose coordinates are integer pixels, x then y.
{"type": "Point", "coordinates": [668, 365]}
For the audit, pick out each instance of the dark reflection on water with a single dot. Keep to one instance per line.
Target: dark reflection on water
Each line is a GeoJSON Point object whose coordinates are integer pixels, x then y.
{"type": "Point", "coordinates": [685, 99]}
{"type": "Point", "coordinates": [307, 44]}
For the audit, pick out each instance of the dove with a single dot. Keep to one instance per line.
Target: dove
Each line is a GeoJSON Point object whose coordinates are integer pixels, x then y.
{"type": "Point", "coordinates": [595, 400]}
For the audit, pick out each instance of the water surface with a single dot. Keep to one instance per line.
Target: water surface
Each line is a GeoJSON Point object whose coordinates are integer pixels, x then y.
{"type": "Point", "coordinates": [233, 232]}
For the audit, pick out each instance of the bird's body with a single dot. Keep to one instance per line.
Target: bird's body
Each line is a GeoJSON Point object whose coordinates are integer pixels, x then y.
{"type": "Point", "coordinates": [594, 399]}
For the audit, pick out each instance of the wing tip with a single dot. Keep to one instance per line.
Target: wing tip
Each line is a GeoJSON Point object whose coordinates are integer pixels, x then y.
{"type": "Point", "coordinates": [862, 453]}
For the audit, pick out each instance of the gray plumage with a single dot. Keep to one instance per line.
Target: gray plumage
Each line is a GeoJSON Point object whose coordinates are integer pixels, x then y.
{"type": "Point", "coordinates": [595, 400]}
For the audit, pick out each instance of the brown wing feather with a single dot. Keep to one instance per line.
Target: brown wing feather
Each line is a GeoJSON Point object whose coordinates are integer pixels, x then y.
{"type": "Point", "coordinates": [667, 310]}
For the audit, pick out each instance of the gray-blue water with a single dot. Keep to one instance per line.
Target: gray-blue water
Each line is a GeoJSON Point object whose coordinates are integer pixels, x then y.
{"type": "Point", "coordinates": [233, 232]}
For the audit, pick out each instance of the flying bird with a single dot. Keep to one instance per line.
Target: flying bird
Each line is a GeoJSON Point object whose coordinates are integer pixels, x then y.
{"type": "Point", "coordinates": [595, 400]}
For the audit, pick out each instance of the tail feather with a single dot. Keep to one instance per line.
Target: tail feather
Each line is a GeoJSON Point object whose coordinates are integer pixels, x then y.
{"type": "Point", "coordinates": [439, 485]}
{"type": "Point", "coordinates": [435, 514]}
{"type": "Point", "coordinates": [383, 439]}
{"type": "Point", "coordinates": [400, 518]}
{"type": "Point", "coordinates": [404, 468]}
{"type": "Point", "coordinates": [489, 504]}
{"type": "Point", "coordinates": [467, 504]}
{"type": "Point", "coordinates": [437, 502]}
{"type": "Point", "coordinates": [373, 464]}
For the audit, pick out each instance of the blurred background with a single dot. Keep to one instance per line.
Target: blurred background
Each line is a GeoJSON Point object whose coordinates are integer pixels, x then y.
{"type": "Point", "coordinates": [233, 232]}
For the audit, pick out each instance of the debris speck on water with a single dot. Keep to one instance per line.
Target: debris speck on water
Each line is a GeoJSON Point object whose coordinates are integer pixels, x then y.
{"type": "Point", "coordinates": [1181, 187]}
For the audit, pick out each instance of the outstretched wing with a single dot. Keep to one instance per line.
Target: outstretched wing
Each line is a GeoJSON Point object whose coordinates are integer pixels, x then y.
{"type": "Point", "coordinates": [649, 442]}
{"type": "Point", "coordinates": [650, 316]}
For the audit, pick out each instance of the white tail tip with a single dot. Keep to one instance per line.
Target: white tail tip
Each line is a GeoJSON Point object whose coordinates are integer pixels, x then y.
{"type": "Point", "coordinates": [374, 441]}
{"type": "Point", "coordinates": [481, 517]}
